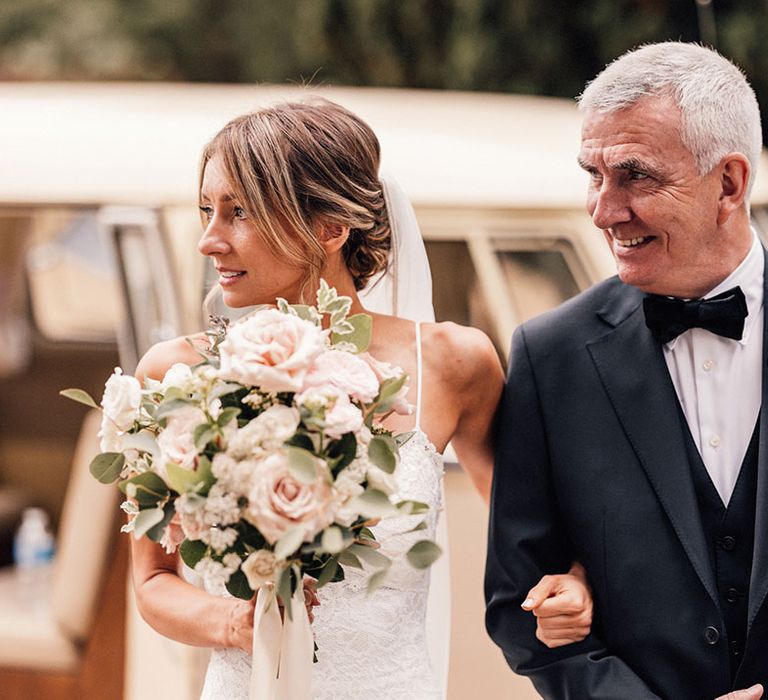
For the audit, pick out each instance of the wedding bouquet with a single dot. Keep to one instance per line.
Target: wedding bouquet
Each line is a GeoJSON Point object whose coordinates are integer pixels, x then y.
{"type": "Point", "coordinates": [266, 461]}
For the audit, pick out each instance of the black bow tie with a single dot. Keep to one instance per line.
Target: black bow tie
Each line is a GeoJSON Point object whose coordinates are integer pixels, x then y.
{"type": "Point", "coordinates": [723, 314]}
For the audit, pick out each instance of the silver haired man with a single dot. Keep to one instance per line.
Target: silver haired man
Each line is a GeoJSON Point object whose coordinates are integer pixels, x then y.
{"type": "Point", "coordinates": [630, 436]}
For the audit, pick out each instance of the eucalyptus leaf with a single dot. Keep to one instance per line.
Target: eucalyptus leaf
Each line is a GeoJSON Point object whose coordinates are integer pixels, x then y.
{"type": "Point", "coordinates": [202, 435]}
{"type": "Point", "coordinates": [328, 573]}
{"type": "Point", "coordinates": [227, 415]}
{"type": "Point", "coordinates": [169, 406]}
{"type": "Point", "coordinates": [303, 464]}
{"type": "Point", "coordinates": [155, 533]}
{"type": "Point", "coordinates": [192, 551]}
{"type": "Point", "coordinates": [143, 441]}
{"type": "Point", "coordinates": [423, 554]}
{"type": "Point", "coordinates": [346, 558]}
{"type": "Point", "coordinates": [80, 396]}
{"type": "Point", "coordinates": [332, 540]}
{"type": "Point", "coordinates": [342, 452]}
{"type": "Point", "coordinates": [301, 440]}
{"type": "Point", "coordinates": [148, 488]}
{"type": "Point", "coordinates": [106, 467]}
{"type": "Point", "coordinates": [381, 451]}
{"type": "Point", "coordinates": [289, 543]}
{"type": "Point", "coordinates": [146, 520]}
{"type": "Point", "coordinates": [390, 387]}
{"type": "Point", "coordinates": [402, 438]}
{"type": "Point", "coordinates": [183, 480]}
{"type": "Point", "coordinates": [284, 590]}
{"type": "Point", "coordinates": [370, 556]}
{"type": "Point", "coordinates": [373, 503]}
{"type": "Point", "coordinates": [412, 507]}
{"type": "Point", "coordinates": [238, 586]}
{"type": "Point", "coordinates": [376, 580]}
{"type": "Point", "coordinates": [360, 335]}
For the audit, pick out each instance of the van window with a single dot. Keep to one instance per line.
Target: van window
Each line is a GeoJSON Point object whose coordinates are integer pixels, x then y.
{"type": "Point", "coordinates": [72, 282]}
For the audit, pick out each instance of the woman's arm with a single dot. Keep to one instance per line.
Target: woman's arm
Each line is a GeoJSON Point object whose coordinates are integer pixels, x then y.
{"type": "Point", "coordinates": [173, 607]}
{"type": "Point", "coordinates": [562, 603]}
{"type": "Point", "coordinates": [178, 610]}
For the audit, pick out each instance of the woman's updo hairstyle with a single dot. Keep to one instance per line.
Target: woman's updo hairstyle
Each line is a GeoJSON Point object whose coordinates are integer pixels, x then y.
{"type": "Point", "coordinates": [298, 165]}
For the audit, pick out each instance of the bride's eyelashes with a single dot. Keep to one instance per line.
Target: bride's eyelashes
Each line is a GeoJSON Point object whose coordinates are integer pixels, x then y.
{"type": "Point", "coordinates": [237, 212]}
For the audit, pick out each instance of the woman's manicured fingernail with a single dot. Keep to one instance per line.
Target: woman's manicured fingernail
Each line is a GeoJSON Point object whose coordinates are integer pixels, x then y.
{"type": "Point", "coordinates": [527, 604]}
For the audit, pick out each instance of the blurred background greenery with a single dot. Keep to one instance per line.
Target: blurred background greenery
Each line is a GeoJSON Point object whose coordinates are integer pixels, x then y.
{"type": "Point", "coordinates": [547, 47]}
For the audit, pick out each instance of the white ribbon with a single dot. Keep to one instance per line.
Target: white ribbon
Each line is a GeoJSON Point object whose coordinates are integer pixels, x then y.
{"type": "Point", "coordinates": [281, 667]}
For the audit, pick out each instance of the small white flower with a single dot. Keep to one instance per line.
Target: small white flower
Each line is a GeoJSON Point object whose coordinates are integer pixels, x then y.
{"type": "Point", "coordinates": [219, 539]}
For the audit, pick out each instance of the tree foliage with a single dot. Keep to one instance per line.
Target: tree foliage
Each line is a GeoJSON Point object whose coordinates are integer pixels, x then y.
{"type": "Point", "coordinates": [525, 46]}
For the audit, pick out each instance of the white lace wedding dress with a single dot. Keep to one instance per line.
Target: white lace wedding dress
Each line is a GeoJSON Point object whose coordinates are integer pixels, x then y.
{"type": "Point", "coordinates": [371, 647]}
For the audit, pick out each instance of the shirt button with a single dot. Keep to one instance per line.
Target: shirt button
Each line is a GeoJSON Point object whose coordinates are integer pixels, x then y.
{"type": "Point", "coordinates": [736, 648]}
{"type": "Point", "coordinates": [728, 543]}
{"type": "Point", "coordinates": [711, 635]}
{"type": "Point", "coordinates": [707, 365]}
{"type": "Point", "coordinates": [732, 595]}
{"type": "Point", "coordinates": [714, 441]}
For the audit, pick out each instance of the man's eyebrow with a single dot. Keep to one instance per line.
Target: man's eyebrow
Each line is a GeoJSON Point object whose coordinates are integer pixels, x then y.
{"type": "Point", "coordinates": [584, 165]}
{"type": "Point", "coordinates": [635, 164]}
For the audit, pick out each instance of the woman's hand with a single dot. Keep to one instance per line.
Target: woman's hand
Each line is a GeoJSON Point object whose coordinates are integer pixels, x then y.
{"type": "Point", "coordinates": [562, 604]}
{"type": "Point", "coordinates": [241, 615]}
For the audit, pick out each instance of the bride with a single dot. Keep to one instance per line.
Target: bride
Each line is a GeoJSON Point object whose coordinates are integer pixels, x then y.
{"type": "Point", "coordinates": [290, 194]}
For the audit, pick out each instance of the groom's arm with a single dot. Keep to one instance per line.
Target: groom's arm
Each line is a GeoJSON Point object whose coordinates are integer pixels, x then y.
{"type": "Point", "coordinates": [526, 541]}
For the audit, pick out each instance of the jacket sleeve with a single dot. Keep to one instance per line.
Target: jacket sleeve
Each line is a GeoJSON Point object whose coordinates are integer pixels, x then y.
{"type": "Point", "coordinates": [527, 540]}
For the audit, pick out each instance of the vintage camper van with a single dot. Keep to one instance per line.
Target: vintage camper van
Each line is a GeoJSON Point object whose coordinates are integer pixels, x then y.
{"type": "Point", "coordinates": [98, 225]}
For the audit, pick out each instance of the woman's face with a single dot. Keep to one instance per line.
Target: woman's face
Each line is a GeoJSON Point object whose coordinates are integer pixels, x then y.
{"type": "Point", "coordinates": [249, 273]}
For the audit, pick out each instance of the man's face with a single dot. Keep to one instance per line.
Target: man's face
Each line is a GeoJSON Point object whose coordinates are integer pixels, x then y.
{"type": "Point", "coordinates": [658, 215]}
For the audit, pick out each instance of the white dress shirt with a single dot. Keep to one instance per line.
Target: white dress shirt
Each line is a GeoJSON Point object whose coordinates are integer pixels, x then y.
{"type": "Point", "coordinates": [719, 380]}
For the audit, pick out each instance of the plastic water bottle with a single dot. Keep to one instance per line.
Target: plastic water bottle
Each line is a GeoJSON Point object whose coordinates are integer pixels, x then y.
{"type": "Point", "coordinates": [33, 555]}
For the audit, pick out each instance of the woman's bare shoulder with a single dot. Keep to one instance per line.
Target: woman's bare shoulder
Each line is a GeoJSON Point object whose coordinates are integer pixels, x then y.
{"type": "Point", "coordinates": [466, 354]}
{"type": "Point", "coordinates": [162, 356]}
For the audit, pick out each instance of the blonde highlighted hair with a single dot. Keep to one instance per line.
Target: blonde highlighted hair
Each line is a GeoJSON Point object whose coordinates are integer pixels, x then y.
{"type": "Point", "coordinates": [297, 166]}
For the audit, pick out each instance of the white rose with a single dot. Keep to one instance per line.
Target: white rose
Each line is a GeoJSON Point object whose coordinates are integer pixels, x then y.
{"type": "Point", "coordinates": [346, 372]}
{"type": "Point", "coordinates": [271, 350]}
{"type": "Point", "coordinates": [176, 441]}
{"type": "Point", "coordinates": [178, 375]}
{"type": "Point", "coordinates": [120, 404]}
{"type": "Point", "coordinates": [259, 568]}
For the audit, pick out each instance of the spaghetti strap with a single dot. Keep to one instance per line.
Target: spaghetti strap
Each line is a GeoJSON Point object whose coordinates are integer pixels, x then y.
{"type": "Point", "coordinates": [418, 375]}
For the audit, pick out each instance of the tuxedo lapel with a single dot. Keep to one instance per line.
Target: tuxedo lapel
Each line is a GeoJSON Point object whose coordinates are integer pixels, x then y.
{"type": "Point", "coordinates": [758, 587]}
{"type": "Point", "coordinates": [631, 367]}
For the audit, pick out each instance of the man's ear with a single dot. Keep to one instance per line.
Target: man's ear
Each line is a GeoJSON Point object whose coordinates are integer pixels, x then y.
{"type": "Point", "coordinates": [734, 177]}
{"type": "Point", "coordinates": [332, 236]}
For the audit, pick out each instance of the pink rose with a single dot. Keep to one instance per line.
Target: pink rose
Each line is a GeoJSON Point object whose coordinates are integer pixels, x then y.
{"type": "Point", "coordinates": [176, 440]}
{"type": "Point", "coordinates": [278, 502]}
{"type": "Point", "coordinates": [384, 371]}
{"type": "Point", "coordinates": [346, 372]}
{"type": "Point", "coordinates": [271, 350]}
{"type": "Point", "coordinates": [173, 535]}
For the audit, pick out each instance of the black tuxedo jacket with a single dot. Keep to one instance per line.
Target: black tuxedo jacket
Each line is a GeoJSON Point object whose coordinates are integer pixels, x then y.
{"type": "Point", "coordinates": [591, 465]}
